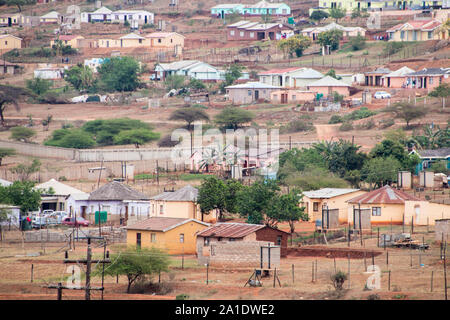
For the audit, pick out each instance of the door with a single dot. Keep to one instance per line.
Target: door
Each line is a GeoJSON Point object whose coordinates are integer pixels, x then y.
{"type": "Point", "coordinates": [145, 20]}
{"type": "Point", "coordinates": [126, 213]}
{"type": "Point", "coordinates": [256, 95]}
{"type": "Point", "coordinates": [9, 22]}
{"type": "Point", "coordinates": [83, 212]}
{"type": "Point", "coordinates": [89, 18]}
{"type": "Point", "coordinates": [138, 240]}
{"type": "Point", "coordinates": [104, 17]}
{"type": "Point", "coordinates": [125, 18]}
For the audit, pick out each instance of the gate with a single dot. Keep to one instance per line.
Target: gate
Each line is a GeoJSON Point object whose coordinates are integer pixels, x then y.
{"type": "Point", "coordinates": [365, 219]}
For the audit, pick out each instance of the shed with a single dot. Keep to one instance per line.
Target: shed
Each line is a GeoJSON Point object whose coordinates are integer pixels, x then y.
{"type": "Point", "coordinates": [250, 92]}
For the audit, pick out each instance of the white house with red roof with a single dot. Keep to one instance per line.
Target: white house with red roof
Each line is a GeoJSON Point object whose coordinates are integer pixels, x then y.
{"type": "Point", "coordinates": [417, 30]}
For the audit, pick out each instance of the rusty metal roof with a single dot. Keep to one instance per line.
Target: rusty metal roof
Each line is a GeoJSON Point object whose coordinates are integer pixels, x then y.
{"type": "Point", "coordinates": [162, 224]}
{"type": "Point", "coordinates": [386, 195]}
{"type": "Point", "coordinates": [230, 230]}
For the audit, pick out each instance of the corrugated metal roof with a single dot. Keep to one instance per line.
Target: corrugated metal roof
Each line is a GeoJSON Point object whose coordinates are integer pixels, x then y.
{"type": "Point", "coordinates": [162, 224]}
{"type": "Point", "coordinates": [187, 193]}
{"type": "Point", "coordinates": [400, 72]}
{"type": "Point", "coordinates": [437, 153]}
{"type": "Point", "coordinates": [230, 230]}
{"type": "Point", "coordinates": [132, 36]}
{"type": "Point", "coordinates": [51, 15]}
{"type": "Point", "coordinates": [327, 193]}
{"type": "Point", "coordinates": [253, 85]}
{"type": "Point", "coordinates": [430, 72]}
{"type": "Point", "coordinates": [328, 81]}
{"type": "Point", "coordinates": [279, 71]}
{"type": "Point", "coordinates": [116, 191]}
{"type": "Point", "coordinates": [386, 195]}
{"type": "Point", "coordinates": [58, 187]}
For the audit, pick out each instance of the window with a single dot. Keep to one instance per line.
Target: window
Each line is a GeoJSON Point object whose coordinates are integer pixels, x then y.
{"type": "Point", "coordinates": [153, 237]}
{"type": "Point", "coordinates": [231, 32]}
{"type": "Point", "coordinates": [249, 92]}
{"type": "Point", "coordinates": [430, 34]}
{"type": "Point", "coordinates": [159, 40]}
{"type": "Point", "coordinates": [241, 33]}
{"type": "Point", "coordinates": [279, 238]}
{"type": "Point", "coordinates": [153, 208]}
{"type": "Point", "coordinates": [6, 42]}
{"type": "Point", "coordinates": [140, 40]}
{"type": "Point", "coordinates": [252, 34]}
{"type": "Point", "coordinates": [139, 17]}
{"type": "Point", "coordinates": [294, 97]}
{"type": "Point", "coordinates": [206, 242]}
{"type": "Point", "coordinates": [161, 209]}
{"type": "Point", "coordinates": [402, 34]}
{"type": "Point", "coordinates": [171, 40]}
{"type": "Point", "coordinates": [130, 17]}
{"type": "Point", "coordinates": [315, 206]}
{"type": "Point", "coordinates": [376, 211]}
{"type": "Point", "coordinates": [181, 237]}
{"type": "Point", "coordinates": [232, 239]}
{"type": "Point", "coordinates": [431, 80]}
{"type": "Point", "coordinates": [117, 17]}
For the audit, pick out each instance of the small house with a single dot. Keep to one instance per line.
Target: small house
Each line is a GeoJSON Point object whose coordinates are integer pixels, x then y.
{"type": "Point", "coordinates": [328, 85]}
{"type": "Point", "coordinates": [250, 92]}
{"type": "Point", "coordinates": [229, 232]}
{"type": "Point", "coordinates": [139, 16]}
{"type": "Point", "coordinates": [10, 19]}
{"type": "Point", "coordinates": [52, 17]}
{"type": "Point", "coordinates": [189, 68]}
{"type": "Point", "coordinates": [67, 40]}
{"type": "Point", "coordinates": [290, 95]}
{"type": "Point", "coordinates": [376, 77]}
{"type": "Point", "coordinates": [398, 78]}
{"type": "Point", "coordinates": [428, 78]}
{"type": "Point", "coordinates": [417, 30]}
{"type": "Point", "coordinates": [328, 198]}
{"type": "Point", "coordinates": [54, 195]}
{"type": "Point", "coordinates": [290, 77]}
{"type": "Point", "coordinates": [221, 10]}
{"type": "Point", "coordinates": [9, 42]}
{"type": "Point", "coordinates": [102, 14]}
{"type": "Point", "coordinates": [9, 68]}
{"type": "Point", "coordinates": [251, 31]}
{"type": "Point", "coordinates": [428, 157]}
{"type": "Point", "coordinates": [267, 8]}
{"type": "Point", "coordinates": [172, 235]}
{"type": "Point", "coordinates": [170, 40]}
{"type": "Point", "coordinates": [120, 201]}
{"type": "Point", "coordinates": [49, 73]}
{"type": "Point", "coordinates": [313, 32]}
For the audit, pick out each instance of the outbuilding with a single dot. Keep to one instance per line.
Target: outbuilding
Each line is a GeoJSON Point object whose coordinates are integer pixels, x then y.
{"type": "Point", "coordinates": [250, 92]}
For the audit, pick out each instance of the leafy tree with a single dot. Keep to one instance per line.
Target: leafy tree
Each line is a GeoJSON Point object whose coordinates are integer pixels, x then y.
{"type": "Point", "coordinates": [407, 111]}
{"type": "Point", "coordinates": [330, 38]}
{"type": "Point", "coordinates": [319, 15]}
{"type": "Point", "coordinates": [441, 91]}
{"type": "Point", "coordinates": [337, 13]}
{"type": "Point", "coordinates": [9, 95]}
{"type": "Point", "coordinates": [19, 3]}
{"type": "Point", "coordinates": [314, 178]}
{"type": "Point", "coordinates": [440, 167]}
{"type": "Point", "coordinates": [81, 78]}
{"type": "Point", "coordinates": [357, 43]}
{"type": "Point", "coordinates": [211, 196]}
{"type": "Point", "coordinates": [196, 84]}
{"type": "Point", "coordinates": [39, 86]}
{"type": "Point", "coordinates": [286, 208]}
{"type": "Point", "coordinates": [190, 115]}
{"type": "Point", "coordinates": [233, 117]}
{"type": "Point", "coordinates": [392, 47]}
{"type": "Point", "coordinates": [21, 194]}
{"type": "Point", "coordinates": [136, 264]}
{"type": "Point", "coordinates": [120, 74]}
{"type": "Point", "coordinates": [22, 134]}
{"type": "Point", "coordinates": [232, 73]}
{"type": "Point", "coordinates": [389, 148]}
{"type": "Point", "coordinates": [332, 73]}
{"type": "Point", "coordinates": [253, 202]}
{"type": "Point", "coordinates": [175, 81]}
{"type": "Point", "coordinates": [432, 138]}
{"type": "Point", "coordinates": [70, 138]}
{"type": "Point", "coordinates": [381, 171]}
{"type": "Point", "coordinates": [359, 13]}
{"type": "Point", "coordinates": [25, 170]}
{"type": "Point", "coordinates": [136, 136]}
{"type": "Point", "coordinates": [6, 152]}
{"type": "Point", "coordinates": [296, 44]}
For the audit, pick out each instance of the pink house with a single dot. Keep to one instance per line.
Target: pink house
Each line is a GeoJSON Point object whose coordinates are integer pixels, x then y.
{"type": "Point", "coordinates": [428, 78]}
{"type": "Point", "coordinates": [328, 85]}
{"type": "Point", "coordinates": [398, 78]}
{"type": "Point", "coordinates": [292, 96]}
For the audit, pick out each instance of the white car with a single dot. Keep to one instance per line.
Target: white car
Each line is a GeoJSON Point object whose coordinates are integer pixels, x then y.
{"type": "Point", "coordinates": [382, 95]}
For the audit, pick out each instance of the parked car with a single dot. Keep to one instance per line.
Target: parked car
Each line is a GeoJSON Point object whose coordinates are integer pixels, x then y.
{"type": "Point", "coordinates": [39, 222]}
{"type": "Point", "coordinates": [46, 212]}
{"type": "Point", "coordinates": [59, 216]}
{"type": "Point", "coordinates": [79, 221]}
{"type": "Point", "coordinates": [382, 95]}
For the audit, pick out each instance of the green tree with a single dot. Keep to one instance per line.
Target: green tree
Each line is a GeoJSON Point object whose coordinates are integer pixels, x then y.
{"type": "Point", "coordinates": [119, 74]}
{"type": "Point", "coordinates": [81, 78]}
{"type": "Point", "coordinates": [330, 38]}
{"type": "Point", "coordinates": [136, 136]}
{"type": "Point", "coordinates": [332, 73]}
{"type": "Point", "coordinates": [19, 3]}
{"type": "Point", "coordinates": [6, 152]}
{"type": "Point", "coordinates": [432, 138]}
{"type": "Point", "coordinates": [39, 86]}
{"type": "Point", "coordinates": [319, 15]}
{"type": "Point", "coordinates": [136, 264]}
{"type": "Point", "coordinates": [407, 111]}
{"type": "Point", "coordinates": [21, 194]}
{"type": "Point", "coordinates": [67, 138]}
{"type": "Point", "coordinates": [233, 117]}
{"type": "Point", "coordinates": [441, 91]}
{"type": "Point", "coordinates": [46, 122]}
{"type": "Point", "coordinates": [381, 171]}
{"type": "Point", "coordinates": [232, 73]}
{"type": "Point", "coordinates": [190, 115]}
{"type": "Point", "coordinates": [24, 171]}
{"type": "Point", "coordinates": [357, 43]}
{"type": "Point", "coordinates": [212, 196]}
{"type": "Point", "coordinates": [296, 44]}
{"type": "Point", "coordinates": [175, 81]}
{"type": "Point", "coordinates": [337, 13]}
{"type": "Point", "coordinates": [196, 84]}
{"type": "Point", "coordinates": [286, 207]}
{"type": "Point", "coordinates": [22, 134]}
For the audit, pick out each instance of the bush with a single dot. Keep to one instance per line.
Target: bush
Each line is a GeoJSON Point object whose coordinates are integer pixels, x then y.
{"type": "Point", "coordinates": [392, 48]}
{"type": "Point", "coordinates": [387, 123]}
{"type": "Point", "coordinates": [357, 43]}
{"type": "Point", "coordinates": [335, 119]}
{"type": "Point", "coordinates": [297, 126]}
{"type": "Point", "coordinates": [338, 280]}
{"type": "Point", "coordinates": [38, 86]}
{"type": "Point", "coordinates": [67, 138]}
{"type": "Point", "coordinates": [346, 126]}
{"type": "Point", "coordinates": [22, 134]}
{"type": "Point", "coordinates": [52, 98]}
{"type": "Point", "coordinates": [182, 296]}
{"type": "Point", "coordinates": [361, 113]}
{"type": "Point", "coordinates": [319, 15]}
{"type": "Point", "coordinates": [370, 124]}
{"type": "Point", "coordinates": [373, 297]}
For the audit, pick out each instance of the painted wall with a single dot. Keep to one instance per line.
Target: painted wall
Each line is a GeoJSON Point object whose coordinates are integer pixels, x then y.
{"type": "Point", "coordinates": [73, 42]}
{"type": "Point", "coordinates": [293, 96]}
{"type": "Point", "coordinates": [169, 241]}
{"type": "Point", "coordinates": [10, 42]}
{"type": "Point", "coordinates": [421, 210]}
{"type": "Point", "coordinates": [247, 96]}
{"type": "Point", "coordinates": [169, 41]}
{"type": "Point", "coordinates": [414, 35]}
{"type": "Point", "coordinates": [326, 90]}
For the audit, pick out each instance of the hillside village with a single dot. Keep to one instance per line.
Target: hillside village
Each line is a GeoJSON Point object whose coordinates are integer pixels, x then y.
{"type": "Point", "coordinates": [225, 147]}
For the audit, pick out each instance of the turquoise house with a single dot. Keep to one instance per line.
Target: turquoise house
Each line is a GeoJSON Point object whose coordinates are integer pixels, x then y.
{"type": "Point", "coordinates": [427, 157]}
{"type": "Point", "coordinates": [222, 10]}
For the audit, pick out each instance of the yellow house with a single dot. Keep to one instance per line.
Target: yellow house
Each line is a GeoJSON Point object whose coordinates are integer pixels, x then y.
{"type": "Point", "coordinates": [417, 30]}
{"type": "Point", "coordinates": [51, 17]}
{"type": "Point", "coordinates": [166, 40]}
{"type": "Point", "coordinates": [179, 204]}
{"type": "Point", "coordinates": [131, 40]}
{"type": "Point", "coordinates": [388, 205]}
{"type": "Point", "coordinates": [173, 235]}
{"type": "Point", "coordinates": [68, 40]}
{"type": "Point", "coordinates": [331, 198]}
{"type": "Point", "coordinates": [9, 42]}
{"type": "Point", "coordinates": [10, 19]}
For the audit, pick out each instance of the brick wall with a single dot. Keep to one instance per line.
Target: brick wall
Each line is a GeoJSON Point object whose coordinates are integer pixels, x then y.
{"type": "Point", "coordinates": [269, 234]}
{"type": "Point", "coordinates": [442, 226]}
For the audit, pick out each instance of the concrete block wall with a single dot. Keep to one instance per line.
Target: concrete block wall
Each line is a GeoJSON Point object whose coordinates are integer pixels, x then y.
{"type": "Point", "coordinates": [243, 254]}
{"type": "Point", "coordinates": [442, 226]}
{"type": "Point", "coordinates": [46, 235]}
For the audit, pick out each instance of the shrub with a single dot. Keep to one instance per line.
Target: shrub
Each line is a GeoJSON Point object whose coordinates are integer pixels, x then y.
{"type": "Point", "coordinates": [182, 296]}
{"type": "Point", "coordinates": [361, 113]}
{"type": "Point", "coordinates": [319, 15]}
{"type": "Point", "coordinates": [38, 86]}
{"type": "Point", "coordinates": [373, 297]}
{"type": "Point", "coordinates": [297, 126]}
{"type": "Point", "coordinates": [370, 124]}
{"type": "Point", "coordinates": [357, 43]}
{"type": "Point", "coordinates": [66, 138]}
{"type": "Point", "coordinates": [22, 134]}
{"type": "Point", "coordinates": [392, 48]}
{"type": "Point", "coordinates": [335, 119]}
{"type": "Point", "coordinates": [386, 123]}
{"type": "Point", "coordinates": [346, 126]}
{"type": "Point", "coordinates": [338, 280]}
